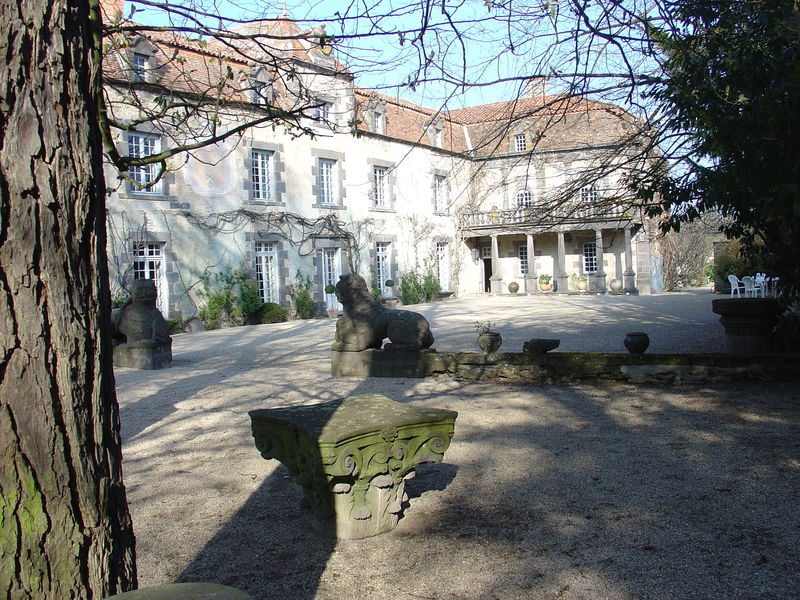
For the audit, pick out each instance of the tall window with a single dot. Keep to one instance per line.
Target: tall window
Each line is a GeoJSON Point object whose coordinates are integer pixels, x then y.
{"type": "Point", "coordinates": [380, 196]}
{"type": "Point", "coordinates": [440, 199]}
{"type": "Point", "coordinates": [266, 271]}
{"type": "Point", "coordinates": [443, 264]}
{"type": "Point", "coordinates": [260, 93]}
{"type": "Point", "coordinates": [327, 181]}
{"type": "Point", "coordinates": [383, 266]}
{"type": "Point", "coordinates": [142, 145]}
{"type": "Point", "coordinates": [323, 112]}
{"type": "Point", "coordinates": [261, 175]}
{"type": "Point", "coordinates": [520, 143]}
{"type": "Point", "coordinates": [522, 254]}
{"type": "Point", "coordinates": [589, 194]}
{"type": "Point", "coordinates": [378, 121]}
{"type": "Point", "coordinates": [590, 257]}
{"type": "Point", "coordinates": [139, 67]}
{"type": "Point", "coordinates": [524, 199]}
{"type": "Point", "coordinates": [148, 263]}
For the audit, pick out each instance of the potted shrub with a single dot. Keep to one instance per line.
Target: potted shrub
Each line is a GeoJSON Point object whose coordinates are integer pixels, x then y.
{"type": "Point", "coordinates": [513, 287]}
{"type": "Point", "coordinates": [581, 282]}
{"type": "Point", "coordinates": [330, 289]}
{"type": "Point", "coordinates": [391, 301]}
{"type": "Point", "coordinates": [545, 282]}
{"type": "Point", "coordinates": [488, 339]}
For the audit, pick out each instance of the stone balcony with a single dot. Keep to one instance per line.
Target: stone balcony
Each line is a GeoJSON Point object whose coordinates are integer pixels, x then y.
{"type": "Point", "coordinates": [545, 218]}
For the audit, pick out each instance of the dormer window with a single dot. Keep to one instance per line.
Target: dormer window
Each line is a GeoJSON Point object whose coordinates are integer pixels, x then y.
{"type": "Point", "coordinates": [259, 96]}
{"type": "Point", "coordinates": [258, 88]}
{"type": "Point", "coordinates": [436, 134]}
{"type": "Point", "coordinates": [378, 121]}
{"type": "Point", "coordinates": [520, 143]}
{"type": "Point", "coordinates": [139, 66]}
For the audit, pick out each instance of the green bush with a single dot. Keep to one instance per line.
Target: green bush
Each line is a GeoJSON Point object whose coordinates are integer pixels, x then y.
{"type": "Point", "coordinates": [430, 287]}
{"type": "Point", "coordinates": [175, 325]}
{"type": "Point", "coordinates": [303, 301]}
{"type": "Point", "coordinates": [787, 332]}
{"type": "Point", "coordinates": [273, 313]}
{"type": "Point", "coordinates": [410, 289]}
{"type": "Point", "coordinates": [250, 303]}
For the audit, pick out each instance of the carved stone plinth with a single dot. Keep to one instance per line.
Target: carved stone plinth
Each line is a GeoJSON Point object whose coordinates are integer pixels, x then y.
{"type": "Point", "coordinates": [353, 456]}
{"type": "Point", "coordinates": [748, 323]}
{"type": "Point", "coordinates": [143, 355]}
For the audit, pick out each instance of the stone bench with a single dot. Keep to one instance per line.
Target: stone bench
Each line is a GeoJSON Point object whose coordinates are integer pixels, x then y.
{"type": "Point", "coordinates": [353, 456]}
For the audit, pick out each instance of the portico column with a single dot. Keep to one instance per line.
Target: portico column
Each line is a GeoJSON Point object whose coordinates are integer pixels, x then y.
{"type": "Point", "coordinates": [599, 278]}
{"type": "Point", "coordinates": [561, 272]}
{"type": "Point", "coordinates": [530, 277]}
{"type": "Point", "coordinates": [629, 275]}
{"type": "Point", "coordinates": [496, 279]}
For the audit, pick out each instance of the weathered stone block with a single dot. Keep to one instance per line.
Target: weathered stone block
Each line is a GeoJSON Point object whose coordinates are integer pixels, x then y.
{"type": "Point", "coordinates": [143, 355]}
{"type": "Point", "coordinates": [353, 456]}
{"type": "Point", "coordinates": [379, 363]}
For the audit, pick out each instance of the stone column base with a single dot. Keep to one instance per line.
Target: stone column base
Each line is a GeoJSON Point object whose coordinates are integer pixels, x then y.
{"type": "Point", "coordinates": [562, 284]}
{"type": "Point", "coordinates": [496, 285]}
{"type": "Point", "coordinates": [629, 284]}
{"type": "Point", "coordinates": [597, 283]}
{"type": "Point", "coordinates": [531, 286]}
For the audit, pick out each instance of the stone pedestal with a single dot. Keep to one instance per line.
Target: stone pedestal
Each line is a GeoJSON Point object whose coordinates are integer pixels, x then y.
{"type": "Point", "coordinates": [748, 323]}
{"type": "Point", "coordinates": [496, 285]}
{"type": "Point", "coordinates": [531, 286]}
{"type": "Point", "coordinates": [353, 456]}
{"type": "Point", "coordinates": [143, 355]}
{"type": "Point", "coordinates": [379, 363]}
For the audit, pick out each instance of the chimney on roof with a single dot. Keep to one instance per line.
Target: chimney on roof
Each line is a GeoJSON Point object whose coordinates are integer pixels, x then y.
{"type": "Point", "coordinates": [536, 87]}
{"type": "Point", "coordinates": [112, 9]}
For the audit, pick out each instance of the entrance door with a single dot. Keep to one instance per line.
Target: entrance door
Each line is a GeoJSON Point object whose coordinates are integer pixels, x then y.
{"type": "Point", "coordinates": [331, 269]}
{"type": "Point", "coordinates": [486, 256]}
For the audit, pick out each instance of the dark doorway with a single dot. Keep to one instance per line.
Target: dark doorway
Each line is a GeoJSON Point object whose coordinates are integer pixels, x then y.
{"type": "Point", "coordinates": [487, 275]}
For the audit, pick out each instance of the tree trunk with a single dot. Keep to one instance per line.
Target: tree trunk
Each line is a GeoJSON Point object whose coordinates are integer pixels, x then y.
{"type": "Point", "coordinates": [65, 529]}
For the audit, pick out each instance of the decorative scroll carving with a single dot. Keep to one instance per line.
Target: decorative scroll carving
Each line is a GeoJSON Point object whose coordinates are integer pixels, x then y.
{"type": "Point", "coordinates": [352, 457]}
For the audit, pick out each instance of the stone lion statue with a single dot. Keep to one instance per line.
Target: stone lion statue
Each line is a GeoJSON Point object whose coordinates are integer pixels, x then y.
{"type": "Point", "coordinates": [366, 323]}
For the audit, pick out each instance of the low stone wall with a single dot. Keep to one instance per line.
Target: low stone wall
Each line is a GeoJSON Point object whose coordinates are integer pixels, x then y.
{"type": "Point", "coordinates": [574, 366]}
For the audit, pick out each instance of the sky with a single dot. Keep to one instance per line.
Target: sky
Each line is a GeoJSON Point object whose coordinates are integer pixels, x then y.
{"type": "Point", "coordinates": [492, 51]}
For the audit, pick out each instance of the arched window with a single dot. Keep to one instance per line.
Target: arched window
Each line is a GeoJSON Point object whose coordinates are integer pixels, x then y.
{"type": "Point", "coordinates": [524, 199]}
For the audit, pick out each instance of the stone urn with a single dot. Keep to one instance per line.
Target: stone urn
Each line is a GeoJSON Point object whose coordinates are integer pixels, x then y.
{"type": "Point", "coordinates": [582, 285]}
{"type": "Point", "coordinates": [748, 323]}
{"type": "Point", "coordinates": [545, 287]}
{"type": "Point", "coordinates": [489, 342]}
{"type": "Point", "coordinates": [513, 287]}
{"type": "Point", "coordinates": [332, 313]}
{"type": "Point", "coordinates": [615, 285]}
{"type": "Point", "coordinates": [636, 342]}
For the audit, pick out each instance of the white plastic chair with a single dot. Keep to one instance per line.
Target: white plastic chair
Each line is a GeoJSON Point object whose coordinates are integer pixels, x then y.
{"type": "Point", "coordinates": [761, 284]}
{"type": "Point", "coordinates": [750, 289]}
{"type": "Point", "coordinates": [736, 285]}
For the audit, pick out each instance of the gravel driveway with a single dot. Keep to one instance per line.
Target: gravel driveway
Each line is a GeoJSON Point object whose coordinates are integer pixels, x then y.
{"type": "Point", "coordinates": [580, 491]}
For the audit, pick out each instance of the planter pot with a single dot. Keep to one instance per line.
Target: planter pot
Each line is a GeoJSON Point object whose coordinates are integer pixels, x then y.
{"type": "Point", "coordinates": [582, 286]}
{"type": "Point", "coordinates": [636, 342]}
{"type": "Point", "coordinates": [513, 287]}
{"type": "Point", "coordinates": [546, 287]}
{"type": "Point", "coordinates": [489, 342]}
{"type": "Point", "coordinates": [332, 313]}
{"type": "Point", "coordinates": [615, 285]}
{"type": "Point", "coordinates": [748, 323]}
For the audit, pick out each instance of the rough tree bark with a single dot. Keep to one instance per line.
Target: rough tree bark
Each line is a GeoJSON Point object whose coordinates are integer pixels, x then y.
{"type": "Point", "coordinates": [65, 529]}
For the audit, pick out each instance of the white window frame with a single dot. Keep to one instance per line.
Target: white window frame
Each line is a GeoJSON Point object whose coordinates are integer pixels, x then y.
{"type": "Point", "coordinates": [441, 200]}
{"type": "Point", "coordinates": [589, 194]}
{"type": "Point", "coordinates": [522, 255]}
{"type": "Point", "coordinates": [148, 263]}
{"type": "Point", "coordinates": [261, 175]}
{"type": "Point", "coordinates": [442, 250]}
{"type": "Point", "coordinates": [520, 142]}
{"type": "Point", "coordinates": [266, 267]}
{"type": "Point", "coordinates": [380, 187]}
{"type": "Point", "coordinates": [383, 266]}
{"type": "Point", "coordinates": [327, 182]}
{"type": "Point", "coordinates": [323, 112]}
{"type": "Point", "coordinates": [378, 121]}
{"type": "Point", "coordinates": [524, 198]}
{"type": "Point", "coordinates": [590, 258]}
{"type": "Point", "coordinates": [142, 145]}
{"type": "Point", "coordinates": [140, 64]}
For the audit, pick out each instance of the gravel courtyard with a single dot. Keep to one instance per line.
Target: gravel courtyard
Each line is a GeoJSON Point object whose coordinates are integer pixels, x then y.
{"type": "Point", "coordinates": [567, 491]}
